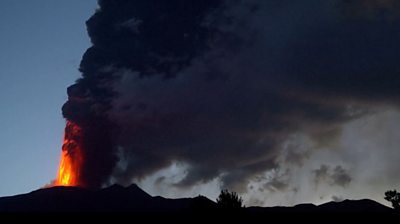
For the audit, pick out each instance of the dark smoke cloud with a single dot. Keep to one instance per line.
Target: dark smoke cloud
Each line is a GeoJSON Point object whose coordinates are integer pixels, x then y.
{"type": "Point", "coordinates": [222, 85]}
{"type": "Point", "coordinates": [370, 9]}
{"type": "Point", "coordinates": [336, 176]}
{"type": "Point", "coordinates": [321, 174]}
{"type": "Point", "coordinates": [168, 30]}
{"type": "Point", "coordinates": [278, 183]}
{"type": "Point", "coordinates": [340, 177]}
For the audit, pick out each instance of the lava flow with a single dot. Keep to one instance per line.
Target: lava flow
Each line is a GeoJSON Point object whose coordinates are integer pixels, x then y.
{"type": "Point", "coordinates": [71, 157]}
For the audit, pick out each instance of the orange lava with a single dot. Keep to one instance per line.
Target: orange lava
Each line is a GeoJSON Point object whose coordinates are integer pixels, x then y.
{"type": "Point", "coordinates": [71, 157]}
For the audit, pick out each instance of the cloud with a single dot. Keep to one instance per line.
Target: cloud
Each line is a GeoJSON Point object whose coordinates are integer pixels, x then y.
{"type": "Point", "coordinates": [132, 24]}
{"type": "Point", "coordinates": [278, 183]}
{"type": "Point", "coordinates": [223, 87]}
{"type": "Point", "coordinates": [337, 176]}
{"type": "Point", "coordinates": [371, 9]}
{"type": "Point", "coordinates": [321, 174]}
{"type": "Point", "coordinates": [337, 198]}
{"type": "Point", "coordinates": [340, 177]}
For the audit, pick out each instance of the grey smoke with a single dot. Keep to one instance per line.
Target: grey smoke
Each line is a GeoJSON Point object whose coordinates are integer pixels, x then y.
{"type": "Point", "coordinates": [223, 88]}
{"type": "Point", "coordinates": [333, 176]}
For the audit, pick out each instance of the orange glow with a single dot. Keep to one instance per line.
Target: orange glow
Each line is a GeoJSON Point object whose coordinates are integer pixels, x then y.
{"type": "Point", "coordinates": [71, 157]}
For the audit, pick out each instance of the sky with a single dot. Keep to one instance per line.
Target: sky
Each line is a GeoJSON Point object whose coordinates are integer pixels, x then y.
{"type": "Point", "coordinates": [283, 102]}
{"type": "Point", "coordinates": [41, 44]}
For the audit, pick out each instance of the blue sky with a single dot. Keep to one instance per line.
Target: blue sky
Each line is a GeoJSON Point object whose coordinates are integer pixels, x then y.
{"type": "Point", "coordinates": [41, 44]}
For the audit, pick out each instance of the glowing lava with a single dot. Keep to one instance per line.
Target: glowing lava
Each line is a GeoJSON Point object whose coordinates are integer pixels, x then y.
{"type": "Point", "coordinates": [71, 157]}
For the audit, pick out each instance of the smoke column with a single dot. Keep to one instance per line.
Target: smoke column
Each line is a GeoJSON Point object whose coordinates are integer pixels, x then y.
{"type": "Point", "coordinates": [167, 29]}
{"type": "Point", "coordinates": [230, 89]}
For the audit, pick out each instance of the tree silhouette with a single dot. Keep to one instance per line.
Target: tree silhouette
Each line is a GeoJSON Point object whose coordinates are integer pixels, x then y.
{"type": "Point", "coordinates": [394, 198]}
{"type": "Point", "coordinates": [229, 200]}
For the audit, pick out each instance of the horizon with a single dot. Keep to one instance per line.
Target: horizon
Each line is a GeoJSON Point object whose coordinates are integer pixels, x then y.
{"type": "Point", "coordinates": [190, 197]}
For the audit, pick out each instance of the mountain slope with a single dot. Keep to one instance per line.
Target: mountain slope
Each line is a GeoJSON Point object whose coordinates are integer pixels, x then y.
{"type": "Point", "coordinates": [133, 199]}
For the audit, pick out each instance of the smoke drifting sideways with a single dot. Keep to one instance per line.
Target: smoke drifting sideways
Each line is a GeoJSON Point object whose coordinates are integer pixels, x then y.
{"type": "Point", "coordinates": [223, 85]}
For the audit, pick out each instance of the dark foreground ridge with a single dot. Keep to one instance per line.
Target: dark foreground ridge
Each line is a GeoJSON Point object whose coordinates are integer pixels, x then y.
{"type": "Point", "coordinates": [128, 202]}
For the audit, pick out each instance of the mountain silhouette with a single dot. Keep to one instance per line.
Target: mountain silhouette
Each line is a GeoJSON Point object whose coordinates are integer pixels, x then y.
{"type": "Point", "coordinates": [132, 201]}
{"type": "Point", "coordinates": [346, 206]}
{"type": "Point", "coordinates": [115, 198]}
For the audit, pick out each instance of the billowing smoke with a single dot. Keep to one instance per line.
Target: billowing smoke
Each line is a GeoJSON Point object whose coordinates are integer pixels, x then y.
{"type": "Point", "coordinates": [223, 86]}
{"type": "Point", "coordinates": [153, 38]}
{"type": "Point", "coordinates": [337, 176]}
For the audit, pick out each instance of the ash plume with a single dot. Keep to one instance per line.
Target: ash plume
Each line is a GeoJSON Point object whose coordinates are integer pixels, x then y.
{"type": "Point", "coordinates": [221, 85]}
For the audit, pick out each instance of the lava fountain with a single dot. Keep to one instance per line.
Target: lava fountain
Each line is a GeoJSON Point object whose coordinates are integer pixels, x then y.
{"type": "Point", "coordinates": [71, 157]}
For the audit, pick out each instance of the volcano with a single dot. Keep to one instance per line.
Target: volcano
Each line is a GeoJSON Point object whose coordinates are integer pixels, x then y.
{"type": "Point", "coordinates": [133, 199]}
{"type": "Point", "coordinates": [117, 203]}
{"type": "Point", "coordinates": [112, 199]}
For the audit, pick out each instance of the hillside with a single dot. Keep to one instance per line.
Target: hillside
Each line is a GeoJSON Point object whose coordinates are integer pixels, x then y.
{"type": "Point", "coordinates": [121, 202]}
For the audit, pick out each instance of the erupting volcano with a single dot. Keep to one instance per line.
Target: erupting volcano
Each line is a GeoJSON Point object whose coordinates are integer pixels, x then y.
{"type": "Point", "coordinates": [71, 157]}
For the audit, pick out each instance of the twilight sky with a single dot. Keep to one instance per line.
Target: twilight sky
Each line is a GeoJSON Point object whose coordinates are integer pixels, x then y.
{"type": "Point", "coordinates": [41, 44]}
{"type": "Point", "coordinates": [284, 102]}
